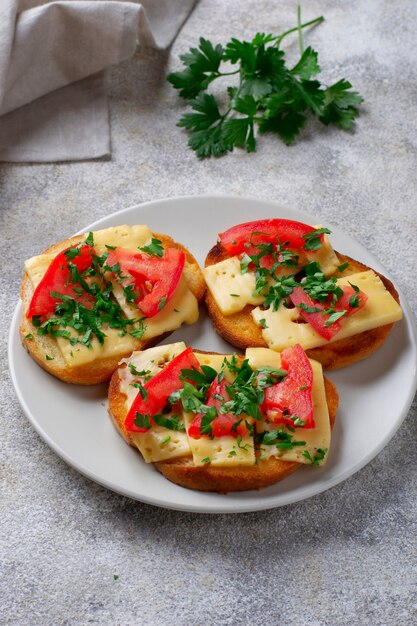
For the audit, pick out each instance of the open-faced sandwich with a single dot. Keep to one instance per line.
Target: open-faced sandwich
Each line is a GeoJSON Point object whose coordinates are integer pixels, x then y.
{"type": "Point", "coordinates": [91, 300]}
{"type": "Point", "coordinates": [276, 283]}
{"type": "Point", "coordinates": [224, 422]}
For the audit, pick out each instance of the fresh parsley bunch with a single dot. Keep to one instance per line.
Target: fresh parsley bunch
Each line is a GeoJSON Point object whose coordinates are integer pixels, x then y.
{"type": "Point", "coordinates": [269, 95]}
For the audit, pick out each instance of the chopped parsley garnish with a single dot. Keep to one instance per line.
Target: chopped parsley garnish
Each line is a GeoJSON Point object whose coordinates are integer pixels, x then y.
{"type": "Point", "coordinates": [243, 396]}
{"type": "Point", "coordinates": [279, 438]}
{"type": "Point", "coordinates": [139, 331]}
{"type": "Point", "coordinates": [167, 421]}
{"type": "Point", "coordinates": [142, 421]}
{"type": "Point", "coordinates": [143, 392]}
{"type": "Point", "coordinates": [155, 248]}
{"type": "Point", "coordinates": [49, 358]}
{"type": "Point", "coordinates": [263, 323]}
{"type": "Point", "coordinates": [140, 373]}
{"type": "Point", "coordinates": [308, 309]}
{"type": "Point", "coordinates": [171, 422]}
{"type": "Point", "coordinates": [333, 317]}
{"type": "Point", "coordinates": [318, 456]}
{"type": "Point", "coordinates": [29, 336]}
{"type": "Point", "coordinates": [161, 303]}
{"type": "Point", "coordinates": [207, 459]}
{"type": "Point", "coordinates": [355, 300]}
{"type": "Point", "coordinates": [239, 444]}
{"type": "Point", "coordinates": [89, 241]}
{"type": "Point", "coordinates": [318, 286]}
{"type": "Point", "coordinates": [165, 440]}
{"type": "Point", "coordinates": [280, 291]}
{"type": "Point", "coordinates": [343, 266]}
{"type": "Point", "coordinates": [130, 295]}
{"type": "Point", "coordinates": [235, 295]}
{"type": "Point", "coordinates": [313, 238]}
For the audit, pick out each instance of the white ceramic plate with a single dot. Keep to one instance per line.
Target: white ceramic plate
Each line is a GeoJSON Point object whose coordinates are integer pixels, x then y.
{"type": "Point", "coordinates": [375, 395]}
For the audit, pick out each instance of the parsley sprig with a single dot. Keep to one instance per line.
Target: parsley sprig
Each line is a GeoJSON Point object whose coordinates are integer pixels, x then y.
{"type": "Point", "coordinates": [268, 95]}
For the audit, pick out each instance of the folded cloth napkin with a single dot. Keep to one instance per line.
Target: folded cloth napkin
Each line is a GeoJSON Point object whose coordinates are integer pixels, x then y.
{"type": "Point", "coordinates": [53, 105]}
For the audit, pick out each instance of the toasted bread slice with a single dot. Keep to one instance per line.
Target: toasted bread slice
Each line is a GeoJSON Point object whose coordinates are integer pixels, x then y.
{"type": "Point", "coordinates": [99, 370]}
{"type": "Point", "coordinates": [183, 472]}
{"type": "Point", "coordinates": [240, 330]}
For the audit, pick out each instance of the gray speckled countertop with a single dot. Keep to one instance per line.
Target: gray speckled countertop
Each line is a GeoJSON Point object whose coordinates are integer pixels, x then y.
{"type": "Point", "coordinates": [75, 553]}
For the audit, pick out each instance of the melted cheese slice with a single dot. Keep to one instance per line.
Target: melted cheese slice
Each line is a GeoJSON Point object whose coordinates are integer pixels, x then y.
{"type": "Point", "coordinates": [221, 451]}
{"type": "Point", "coordinates": [127, 237]}
{"type": "Point", "coordinates": [315, 439]}
{"type": "Point", "coordinates": [159, 443]}
{"type": "Point", "coordinates": [181, 308]}
{"type": "Point", "coordinates": [224, 279]}
{"type": "Point", "coordinates": [285, 328]}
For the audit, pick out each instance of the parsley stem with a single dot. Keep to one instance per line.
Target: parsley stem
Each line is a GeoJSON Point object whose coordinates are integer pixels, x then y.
{"type": "Point", "coordinates": [317, 20]}
{"type": "Point", "coordinates": [300, 31]}
{"type": "Point", "coordinates": [227, 73]}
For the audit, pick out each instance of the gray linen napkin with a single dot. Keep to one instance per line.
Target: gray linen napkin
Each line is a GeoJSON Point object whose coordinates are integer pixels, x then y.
{"type": "Point", "coordinates": [53, 105]}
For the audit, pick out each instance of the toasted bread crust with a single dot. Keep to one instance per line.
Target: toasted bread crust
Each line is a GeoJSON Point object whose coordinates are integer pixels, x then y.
{"type": "Point", "coordinates": [183, 472]}
{"type": "Point", "coordinates": [241, 331]}
{"type": "Point", "coordinates": [100, 370]}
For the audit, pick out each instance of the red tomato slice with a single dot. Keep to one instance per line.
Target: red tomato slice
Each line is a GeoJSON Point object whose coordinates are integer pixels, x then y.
{"type": "Point", "coordinates": [317, 320]}
{"type": "Point", "coordinates": [270, 231]}
{"type": "Point", "coordinates": [58, 278]}
{"type": "Point", "coordinates": [159, 388]}
{"type": "Point", "coordinates": [223, 423]}
{"type": "Point", "coordinates": [155, 279]}
{"type": "Point", "coordinates": [293, 395]}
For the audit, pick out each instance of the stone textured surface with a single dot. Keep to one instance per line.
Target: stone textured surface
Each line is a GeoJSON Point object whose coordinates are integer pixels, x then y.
{"type": "Point", "coordinates": [75, 553]}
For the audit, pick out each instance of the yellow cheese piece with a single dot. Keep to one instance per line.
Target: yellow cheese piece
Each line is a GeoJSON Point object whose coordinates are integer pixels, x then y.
{"type": "Point", "coordinates": [79, 354]}
{"type": "Point", "coordinates": [221, 451]}
{"type": "Point", "coordinates": [224, 279]}
{"type": "Point", "coordinates": [127, 237]}
{"type": "Point", "coordinates": [181, 308]}
{"type": "Point", "coordinates": [263, 357]}
{"type": "Point", "coordinates": [215, 361]}
{"type": "Point", "coordinates": [315, 438]}
{"type": "Point", "coordinates": [151, 360]}
{"type": "Point", "coordinates": [36, 267]}
{"type": "Point", "coordinates": [324, 256]}
{"type": "Point", "coordinates": [159, 443]}
{"type": "Point", "coordinates": [283, 327]}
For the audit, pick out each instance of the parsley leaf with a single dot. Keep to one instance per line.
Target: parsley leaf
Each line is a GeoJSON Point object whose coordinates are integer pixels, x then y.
{"type": "Point", "coordinates": [201, 68]}
{"type": "Point", "coordinates": [313, 240]}
{"type": "Point", "coordinates": [155, 248]}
